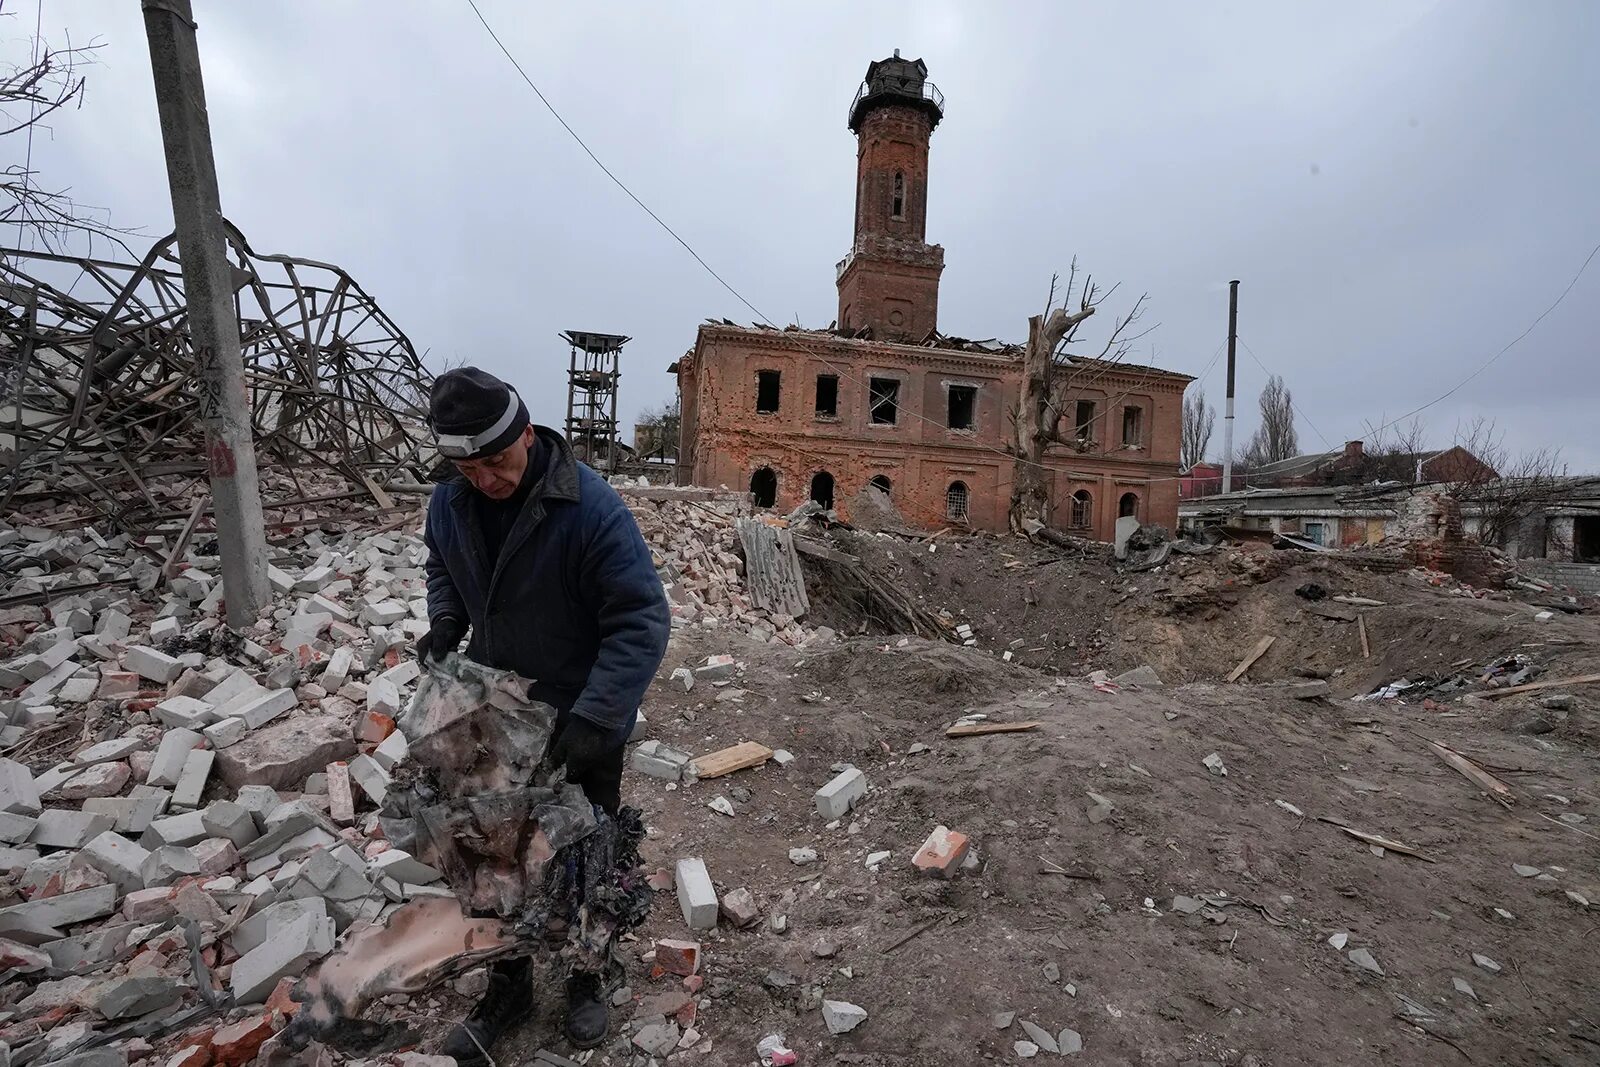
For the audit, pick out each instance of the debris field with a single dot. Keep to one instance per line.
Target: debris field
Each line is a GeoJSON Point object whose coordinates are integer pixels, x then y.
{"type": "Point", "coordinates": [1086, 813]}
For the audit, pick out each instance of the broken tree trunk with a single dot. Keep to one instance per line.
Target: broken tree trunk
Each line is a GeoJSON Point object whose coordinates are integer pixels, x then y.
{"type": "Point", "coordinates": [1037, 415]}
{"type": "Point", "coordinates": [772, 569]}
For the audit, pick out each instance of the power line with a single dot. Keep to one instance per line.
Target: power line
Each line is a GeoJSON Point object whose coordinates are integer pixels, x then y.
{"type": "Point", "coordinates": [1297, 412]}
{"type": "Point", "coordinates": [843, 371]}
{"type": "Point", "coordinates": [1509, 345]}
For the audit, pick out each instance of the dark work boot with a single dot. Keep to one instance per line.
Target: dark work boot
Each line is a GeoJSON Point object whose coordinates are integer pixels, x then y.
{"type": "Point", "coordinates": [508, 1000]}
{"type": "Point", "coordinates": [588, 1017]}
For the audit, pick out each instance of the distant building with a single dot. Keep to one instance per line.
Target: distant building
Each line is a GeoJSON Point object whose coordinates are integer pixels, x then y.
{"type": "Point", "coordinates": [883, 397]}
{"type": "Point", "coordinates": [1202, 479]}
{"type": "Point", "coordinates": [1353, 464]}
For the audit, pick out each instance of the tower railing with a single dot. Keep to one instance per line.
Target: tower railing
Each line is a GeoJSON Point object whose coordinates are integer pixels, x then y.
{"type": "Point", "coordinates": [926, 91]}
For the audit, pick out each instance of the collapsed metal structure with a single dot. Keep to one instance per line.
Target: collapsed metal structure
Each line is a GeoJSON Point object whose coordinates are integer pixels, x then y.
{"type": "Point", "coordinates": [98, 389]}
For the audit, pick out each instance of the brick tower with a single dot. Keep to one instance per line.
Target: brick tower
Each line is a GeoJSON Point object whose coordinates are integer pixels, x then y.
{"type": "Point", "coordinates": [890, 280]}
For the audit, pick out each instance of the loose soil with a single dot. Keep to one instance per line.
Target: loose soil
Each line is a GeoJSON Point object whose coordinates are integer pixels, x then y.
{"type": "Point", "coordinates": [1249, 979]}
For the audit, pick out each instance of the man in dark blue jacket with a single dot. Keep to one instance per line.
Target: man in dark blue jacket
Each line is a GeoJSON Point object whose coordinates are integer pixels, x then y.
{"type": "Point", "coordinates": [537, 556]}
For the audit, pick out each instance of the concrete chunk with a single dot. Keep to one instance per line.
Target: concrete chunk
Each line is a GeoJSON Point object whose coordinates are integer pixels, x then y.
{"type": "Point", "coordinates": [391, 750]}
{"type": "Point", "coordinates": [171, 755]}
{"type": "Point", "coordinates": [231, 821]}
{"type": "Point", "coordinates": [182, 829]}
{"type": "Point", "coordinates": [148, 663]}
{"type": "Point", "coordinates": [166, 864]}
{"type": "Point", "coordinates": [841, 1016]}
{"type": "Point", "coordinates": [256, 973]}
{"type": "Point", "coordinates": [271, 921]}
{"type": "Point", "coordinates": [62, 828]}
{"type": "Point", "coordinates": [225, 732]}
{"type": "Point", "coordinates": [263, 709]}
{"type": "Point", "coordinates": [283, 754]}
{"type": "Point", "coordinates": [369, 774]}
{"type": "Point", "coordinates": [184, 711]}
{"type": "Point", "coordinates": [64, 909]}
{"type": "Point", "coordinates": [18, 794]}
{"type": "Point", "coordinates": [118, 858]}
{"type": "Point", "coordinates": [192, 782]}
{"type": "Point", "coordinates": [835, 799]}
{"type": "Point", "coordinates": [696, 895]}
{"type": "Point", "coordinates": [123, 998]}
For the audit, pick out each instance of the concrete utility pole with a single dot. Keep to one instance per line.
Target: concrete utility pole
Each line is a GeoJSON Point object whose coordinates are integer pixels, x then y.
{"type": "Point", "coordinates": [213, 320]}
{"type": "Point", "coordinates": [1227, 415]}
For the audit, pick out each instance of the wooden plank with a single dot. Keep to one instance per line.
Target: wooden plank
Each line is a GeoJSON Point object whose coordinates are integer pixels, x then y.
{"type": "Point", "coordinates": [976, 729]}
{"type": "Point", "coordinates": [730, 759]}
{"type": "Point", "coordinates": [772, 569]}
{"type": "Point", "coordinates": [169, 567]}
{"type": "Point", "coordinates": [1361, 628]}
{"type": "Point", "coordinates": [1362, 601]}
{"type": "Point", "coordinates": [1336, 612]}
{"type": "Point", "coordinates": [1381, 842]}
{"type": "Point", "coordinates": [1534, 687]}
{"type": "Point", "coordinates": [1473, 773]}
{"type": "Point", "coordinates": [1255, 654]}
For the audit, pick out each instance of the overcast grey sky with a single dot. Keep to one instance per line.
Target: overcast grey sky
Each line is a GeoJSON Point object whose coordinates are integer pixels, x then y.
{"type": "Point", "coordinates": [1402, 186]}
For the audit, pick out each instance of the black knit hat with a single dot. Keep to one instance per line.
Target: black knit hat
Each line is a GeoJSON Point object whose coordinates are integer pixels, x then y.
{"type": "Point", "coordinates": [474, 414]}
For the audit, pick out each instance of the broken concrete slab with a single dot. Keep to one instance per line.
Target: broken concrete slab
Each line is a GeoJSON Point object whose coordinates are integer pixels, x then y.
{"type": "Point", "coordinates": [64, 828]}
{"type": "Point", "coordinates": [18, 794]}
{"type": "Point", "coordinates": [126, 997]}
{"type": "Point", "coordinates": [285, 753]}
{"type": "Point", "coordinates": [286, 954]}
{"type": "Point", "coordinates": [841, 1016]}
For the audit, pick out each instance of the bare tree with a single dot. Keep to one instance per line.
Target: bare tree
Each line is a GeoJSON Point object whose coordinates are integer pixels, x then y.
{"type": "Point", "coordinates": [1275, 438]}
{"type": "Point", "coordinates": [655, 433]}
{"type": "Point", "coordinates": [1507, 490]}
{"type": "Point", "coordinates": [50, 82]}
{"type": "Point", "coordinates": [1198, 421]}
{"type": "Point", "coordinates": [1051, 371]}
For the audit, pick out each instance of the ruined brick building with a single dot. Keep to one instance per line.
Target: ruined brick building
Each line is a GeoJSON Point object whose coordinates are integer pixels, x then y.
{"type": "Point", "coordinates": [883, 397]}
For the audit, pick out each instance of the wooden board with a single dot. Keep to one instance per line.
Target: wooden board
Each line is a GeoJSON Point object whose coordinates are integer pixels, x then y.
{"type": "Point", "coordinates": [1336, 612]}
{"type": "Point", "coordinates": [772, 569]}
{"type": "Point", "coordinates": [1255, 654]}
{"type": "Point", "coordinates": [975, 729]}
{"type": "Point", "coordinates": [1361, 628]}
{"type": "Point", "coordinates": [1473, 773]}
{"type": "Point", "coordinates": [1533, 687]}
{"type": "Point", "coordinates": [730, 759]}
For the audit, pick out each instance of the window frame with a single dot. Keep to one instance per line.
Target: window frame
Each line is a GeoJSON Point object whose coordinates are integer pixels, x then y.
{"type": "Point", "coordinates": [873, 403]}
{"type": "Point", "coordinates": [972, 407]}
{"type": "Point", "coordinates": [777, 390]}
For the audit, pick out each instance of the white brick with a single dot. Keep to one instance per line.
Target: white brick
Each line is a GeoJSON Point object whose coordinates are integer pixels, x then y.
{"type": "Point", "coordinates": [63, 828]}
{"type": "Point", "coordinates": [835, 799]}
{"type": "Point", "coordinates": [183, 711]}
{"type": "Point", "coordinates": [183, 829]}
{"type": "Point", "coordinates": [18, 794]}
{"type": "Point", "coordinates": [390, 751]}
{"type": "Point", "coordinates": [256, 973]}
{"type": "Point", "coordinates": [338, 670]}
{"type": "Point", "coordinates": [151, 664]}
{"type": "Point", "coordinates": [403, 673]}
{"type": "Point", "coordinates": [164, 629]}
{"type": "Point", "coordinates": [117, 858]}
{"type": "Point", "coordinates": [263, 709]}
{"type": "Point", "coordinates": [225, 732]}
{"type": "Point", "coordinates": [192, 782]}
{"type": "Point", "coordinates": [696, 895]}
{"type": "Point", "coordinates": [369, 774]}
{"type": "Point", "coordinates": [171, 755]}
{"type": "Point", "coordinates": [383, 697]}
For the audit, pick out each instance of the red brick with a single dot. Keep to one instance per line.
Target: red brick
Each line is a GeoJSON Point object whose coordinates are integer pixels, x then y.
{"type": "Point", "coordinates": [237, 1045]}
{"type": "Point", "coordinates": [192, 1056]}
{"type": "Point", "coordinates": [281, 1000]}
{"type": "Point", "coordinates": [678, 957]}
{"type": "Point", "coordinates": [374, 726]}
{"type": "Point", "coordinates": [941, 854]}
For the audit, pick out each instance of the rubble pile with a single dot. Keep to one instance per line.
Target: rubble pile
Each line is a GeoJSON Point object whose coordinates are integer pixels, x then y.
{"type": "Point", "coordinates": [188, 813]}
{"type": "Point", "coordinates": [694, 543]}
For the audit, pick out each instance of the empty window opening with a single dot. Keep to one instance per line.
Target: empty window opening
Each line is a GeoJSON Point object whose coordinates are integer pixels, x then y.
{"type": "Point", "coordinates": [955, 502]}
{"type": "Point", "coordinates": [767, 391]}
{"type": "Point", "coordinates": [1131, 427]}
{"type": "Point", "coordinates": [822, 488]}
{"type": "Point", "coordinates": [828, 395]}
{"type": "Point", "coordinates": [881, 482]}
{"type": "Point", "coordinates": [1128, 505]}
{"type": "Point", "coordinates": [883, 399]}
{"type": "Point", "coordinates": [1083, 422]}
{"type": "Point", "coordinates": [897, 207]}
{"type": "Point", "coordinates": [764, 487]}
{"type": "Point", "coordinates": [1082, 510]}
{"type": "Point", "coordinates": [1586, 539]}
{"type": "Point", "coordinates": [963, 407]}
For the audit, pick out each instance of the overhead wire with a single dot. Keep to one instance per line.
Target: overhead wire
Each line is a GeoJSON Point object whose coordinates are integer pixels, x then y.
{"type": "Point", "coordinates": [846, 372]}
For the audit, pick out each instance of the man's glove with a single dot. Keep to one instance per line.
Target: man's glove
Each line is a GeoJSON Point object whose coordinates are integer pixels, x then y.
{"type": "Point", "coordinates": [580, 745]}
{"type": "Point", "coordinates": [442, 639]}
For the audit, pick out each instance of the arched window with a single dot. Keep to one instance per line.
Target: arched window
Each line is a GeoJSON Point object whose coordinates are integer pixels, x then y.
{"type": "Point", "coordinates": [1128, 505]}
{"type": "Point", "coordinates": [822, 488]}
{"type": "Point", "coordinates": [764, 487]}
{"type": "Point", "coordinates": [1082, 510]}
{"type": "Point", "coordinates": [955, 502]}
{"type": "Point", "coordinates": [881, 481]}
{"type": "Point", "coordinates": [897, 208]}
